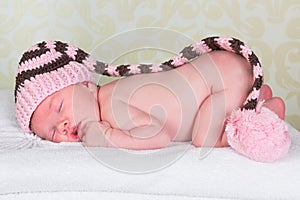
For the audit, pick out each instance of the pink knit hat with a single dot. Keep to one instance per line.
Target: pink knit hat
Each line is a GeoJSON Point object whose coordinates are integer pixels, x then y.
{"type": "Point", "coordinates": [44, 69]}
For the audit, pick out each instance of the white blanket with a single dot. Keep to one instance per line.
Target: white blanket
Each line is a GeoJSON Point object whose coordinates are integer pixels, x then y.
{"type": "Point", "coordinates": [31, 168]}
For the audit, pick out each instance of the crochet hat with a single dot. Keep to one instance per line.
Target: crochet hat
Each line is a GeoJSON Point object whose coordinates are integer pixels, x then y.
{"type": "Point", "coordinates": [44, 69]}
{"type": "Point", "coordinates": [252, 130]}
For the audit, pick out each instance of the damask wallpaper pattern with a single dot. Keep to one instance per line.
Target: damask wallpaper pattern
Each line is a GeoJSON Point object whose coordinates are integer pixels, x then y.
{"type": "Point", "coordinates": [270, 27]}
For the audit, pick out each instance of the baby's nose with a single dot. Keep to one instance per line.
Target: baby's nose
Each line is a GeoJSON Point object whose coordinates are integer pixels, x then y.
{"type": "Point", "coordinates": [64, 127]}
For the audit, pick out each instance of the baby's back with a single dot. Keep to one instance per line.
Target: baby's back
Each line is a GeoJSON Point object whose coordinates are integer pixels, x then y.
{"type": "Point", "coordinates": [166, 102]}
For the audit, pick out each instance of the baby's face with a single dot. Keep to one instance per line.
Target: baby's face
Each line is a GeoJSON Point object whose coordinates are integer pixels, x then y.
{"type": "Point", "coordinates": [58, 117]}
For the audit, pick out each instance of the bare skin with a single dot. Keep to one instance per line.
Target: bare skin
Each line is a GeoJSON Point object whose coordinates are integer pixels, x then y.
{"type": "Point", "coordinates": [148, 111]}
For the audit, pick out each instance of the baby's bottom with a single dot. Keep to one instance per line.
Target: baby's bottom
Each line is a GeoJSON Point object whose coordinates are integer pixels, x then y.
{"type": "Point", "coordinates": [229, 79]}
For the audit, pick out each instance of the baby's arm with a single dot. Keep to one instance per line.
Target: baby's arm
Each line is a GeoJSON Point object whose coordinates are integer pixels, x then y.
{"type": "Point", "coordinates": [100, 134]}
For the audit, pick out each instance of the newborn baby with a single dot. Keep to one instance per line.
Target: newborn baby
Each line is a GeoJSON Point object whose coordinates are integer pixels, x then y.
{"type": "Point", "coordinates": [146, 111]}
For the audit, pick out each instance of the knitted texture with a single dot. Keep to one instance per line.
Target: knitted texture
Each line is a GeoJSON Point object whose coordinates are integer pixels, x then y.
{"type": "Point", "coordinates": [44, 69]}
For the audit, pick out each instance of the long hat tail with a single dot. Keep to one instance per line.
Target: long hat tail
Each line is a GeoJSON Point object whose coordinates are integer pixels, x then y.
{"type": "Point", "coordinates": [188, 54]}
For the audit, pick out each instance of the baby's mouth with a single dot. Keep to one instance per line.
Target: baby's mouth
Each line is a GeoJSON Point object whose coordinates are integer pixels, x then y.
{"type": "Point", "coordinates": [78, 130]}
{"type": "Point", "coordinates": [74, 133]}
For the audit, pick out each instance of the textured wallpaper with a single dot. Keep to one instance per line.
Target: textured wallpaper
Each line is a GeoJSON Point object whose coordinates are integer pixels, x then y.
{"type": "Point", "coordinates": [270, 27]}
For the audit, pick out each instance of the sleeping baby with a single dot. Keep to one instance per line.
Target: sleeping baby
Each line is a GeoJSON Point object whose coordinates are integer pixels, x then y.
{"type": "Point", "coordinates": [202, 95]}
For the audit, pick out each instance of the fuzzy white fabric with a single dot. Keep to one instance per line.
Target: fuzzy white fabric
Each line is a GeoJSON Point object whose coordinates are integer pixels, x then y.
{"type": "Point", "coordinates": [34, 169]}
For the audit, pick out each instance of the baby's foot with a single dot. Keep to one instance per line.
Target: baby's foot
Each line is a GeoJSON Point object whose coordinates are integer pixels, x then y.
{"type": "Point", "coordinates": [265, 92]}
{"type": "Point", "coordinates": [276, 104]}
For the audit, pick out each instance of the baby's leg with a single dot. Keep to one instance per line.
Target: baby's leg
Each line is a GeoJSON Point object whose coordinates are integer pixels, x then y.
{"type": "Point", "coordinates": [209, 122]}
{"type": "Point", "coordinates": [236, 81]}
{"type": "Point", "coordinates": [211, 118]}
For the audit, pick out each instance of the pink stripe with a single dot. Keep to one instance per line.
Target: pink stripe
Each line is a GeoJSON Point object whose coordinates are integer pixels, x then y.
{"type": "Point", "coordinates": [179, 60]}
{"type": "Point", "coordinates": [71, 51]}
{"type": "Point", "coordinates": [112, 70]}
{"type": "Point", "coordinates": [134, 69]}
{"type": "Point", "coordinates": [89, 62]}
{"type": "Point", "coordinates": [39, 61]}
{"type": "Point", "coordinates": [156, 68]}
{"type": "Point", "coordinates": [50, 44]}
{"type": "Point", "coordinates": [246, 51]}
{"type": "Point", "coordinates": [257, 71]}
{"type": "Point", "coordinates": [205, 47]}
{"type": "Point", "coordinates": [224, 43]}
{"type": "Point", "coordinates": [199, 47]}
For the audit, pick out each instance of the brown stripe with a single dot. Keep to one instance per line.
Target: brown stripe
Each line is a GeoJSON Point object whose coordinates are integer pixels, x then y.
{"type": "Point", "coordinates": [61, 47]}
{"type": "Point", "coordinates": [123, 69]}
{"type": "Point", "coordinates": [250, 105]}
{"type": "Point", "coordinates": [236, 44]}
{"type": "Point", "coordinates": [212, 44]}
{"type": "Point", "coordinates": [81, 55]}
{"type": "Point", "coordinates": [28, 55]}
{"type": "Point", "coordinates": [26, 75]}
{"type": "Point", "coordinates": [100, 67]}
{"type": "Point", "coordinates": [253, 59]}
{"type": "Point", "coordinates": [188, 53]}
{"type": "Point", "coordinates": [168, 63]}
{"type": "Point", "coordinates": [258, 82]}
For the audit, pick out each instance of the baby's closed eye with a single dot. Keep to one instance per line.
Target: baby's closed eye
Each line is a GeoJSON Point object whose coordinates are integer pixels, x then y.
{"type": "Point", "coordinates": [60, 107]}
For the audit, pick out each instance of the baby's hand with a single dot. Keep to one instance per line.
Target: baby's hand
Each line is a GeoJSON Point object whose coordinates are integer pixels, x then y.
{"type": "Point", "coordinates": [93, 133]}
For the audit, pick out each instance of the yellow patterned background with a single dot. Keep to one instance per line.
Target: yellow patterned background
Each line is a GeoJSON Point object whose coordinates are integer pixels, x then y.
{"type": "Point", "coordinates": [270, 27]}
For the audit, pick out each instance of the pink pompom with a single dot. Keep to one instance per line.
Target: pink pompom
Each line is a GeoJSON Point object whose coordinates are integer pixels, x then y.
{"type": "Point", "coordinates": [261, 136]}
